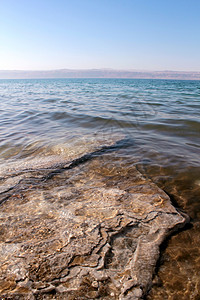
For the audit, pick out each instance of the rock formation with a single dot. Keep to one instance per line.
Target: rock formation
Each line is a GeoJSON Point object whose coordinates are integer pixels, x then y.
{"type": "Point", "coordinates": [86, 230]}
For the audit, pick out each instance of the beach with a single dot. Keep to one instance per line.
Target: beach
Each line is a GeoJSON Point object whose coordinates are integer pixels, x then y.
{"type": "Point", "coordinates": [66, 139]}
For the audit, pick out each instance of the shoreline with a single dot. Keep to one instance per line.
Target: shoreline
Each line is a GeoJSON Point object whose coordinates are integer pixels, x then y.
{"type": "Point", "coordinates": [90, 222]}
{"type": "Point", "coordinates": [98, 73]}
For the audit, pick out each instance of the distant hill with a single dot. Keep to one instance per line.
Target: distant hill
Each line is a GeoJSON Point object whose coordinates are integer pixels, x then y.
{"type": "Point", "coordinates": [99, 73]}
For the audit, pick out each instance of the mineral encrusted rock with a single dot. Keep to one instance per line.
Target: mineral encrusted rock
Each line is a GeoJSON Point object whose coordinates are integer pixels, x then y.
{"type": "Point", "coordinates": [82, 231]}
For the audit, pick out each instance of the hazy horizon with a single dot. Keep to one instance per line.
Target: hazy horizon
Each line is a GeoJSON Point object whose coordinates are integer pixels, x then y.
{"type": "Point", "coordinates": [97, 73]}
{"type": "Point", "coordinates": [103, 69]}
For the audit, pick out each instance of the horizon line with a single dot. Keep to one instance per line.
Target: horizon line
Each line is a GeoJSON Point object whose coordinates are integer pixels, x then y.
{"type": "Point", "coordinates": [99, 73]}
{"type": "Point", "coordinates": [96, 69]}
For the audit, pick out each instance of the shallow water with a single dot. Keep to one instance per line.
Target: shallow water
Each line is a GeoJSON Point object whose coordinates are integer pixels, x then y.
{"type": "Point", "coordinates": [45, 122]}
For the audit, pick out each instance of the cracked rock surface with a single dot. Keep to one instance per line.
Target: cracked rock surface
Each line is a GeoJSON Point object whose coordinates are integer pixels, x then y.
{"type": "Point", "coordinates": [89, 231]}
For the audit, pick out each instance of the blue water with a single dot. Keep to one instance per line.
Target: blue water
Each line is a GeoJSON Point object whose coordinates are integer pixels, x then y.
{"type": "Point", "coordinates": [162, 115]}
{"type": "Point", "coordinates": [158, 119]}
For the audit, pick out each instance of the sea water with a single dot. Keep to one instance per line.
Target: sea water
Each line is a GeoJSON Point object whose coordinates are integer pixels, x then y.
{"type": "Point", "coordinates": [45, 121]}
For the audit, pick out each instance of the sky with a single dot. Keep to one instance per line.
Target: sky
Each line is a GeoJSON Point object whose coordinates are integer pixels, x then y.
{"type": "Point", "coordinates": [91, 34]}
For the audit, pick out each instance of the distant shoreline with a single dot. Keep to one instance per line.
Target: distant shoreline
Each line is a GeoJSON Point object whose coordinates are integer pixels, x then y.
{"type": "Point", "coordinates": [98, 73]}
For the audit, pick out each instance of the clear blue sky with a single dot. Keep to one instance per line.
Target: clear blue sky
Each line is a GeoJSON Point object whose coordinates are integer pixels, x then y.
{"type": "Point", "coordinates": [119, 34]}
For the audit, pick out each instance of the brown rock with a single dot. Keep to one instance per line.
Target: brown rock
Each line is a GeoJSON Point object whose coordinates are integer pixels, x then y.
{"type": "Point", "coordinates": [82, 232]}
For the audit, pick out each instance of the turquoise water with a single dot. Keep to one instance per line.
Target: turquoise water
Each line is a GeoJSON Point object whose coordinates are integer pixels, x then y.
{"type": "Point", "coordinates": [158, 120]}
{"type": "Point", "coordinates": [159, 115]}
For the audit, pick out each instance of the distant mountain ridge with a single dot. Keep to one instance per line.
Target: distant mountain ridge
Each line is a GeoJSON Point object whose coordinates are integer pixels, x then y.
{"type": "Point", "coordinates": [98, 73]}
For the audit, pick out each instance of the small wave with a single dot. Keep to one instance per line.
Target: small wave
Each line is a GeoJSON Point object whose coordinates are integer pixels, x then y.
{"type": "Point", "coordinates": [56, 153]}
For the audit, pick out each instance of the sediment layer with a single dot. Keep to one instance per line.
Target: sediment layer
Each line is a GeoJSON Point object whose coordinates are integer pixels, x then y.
{"type": "Point", "coordinates": [87, 230]}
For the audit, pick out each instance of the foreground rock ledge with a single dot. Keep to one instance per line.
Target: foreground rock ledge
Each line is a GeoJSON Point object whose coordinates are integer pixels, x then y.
{"type": "Point", "coordinates": [86, 232]}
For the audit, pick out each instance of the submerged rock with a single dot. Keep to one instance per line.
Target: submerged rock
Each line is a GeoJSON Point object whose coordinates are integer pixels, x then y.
{"type": "Point", "coordinates": [84, 231]}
